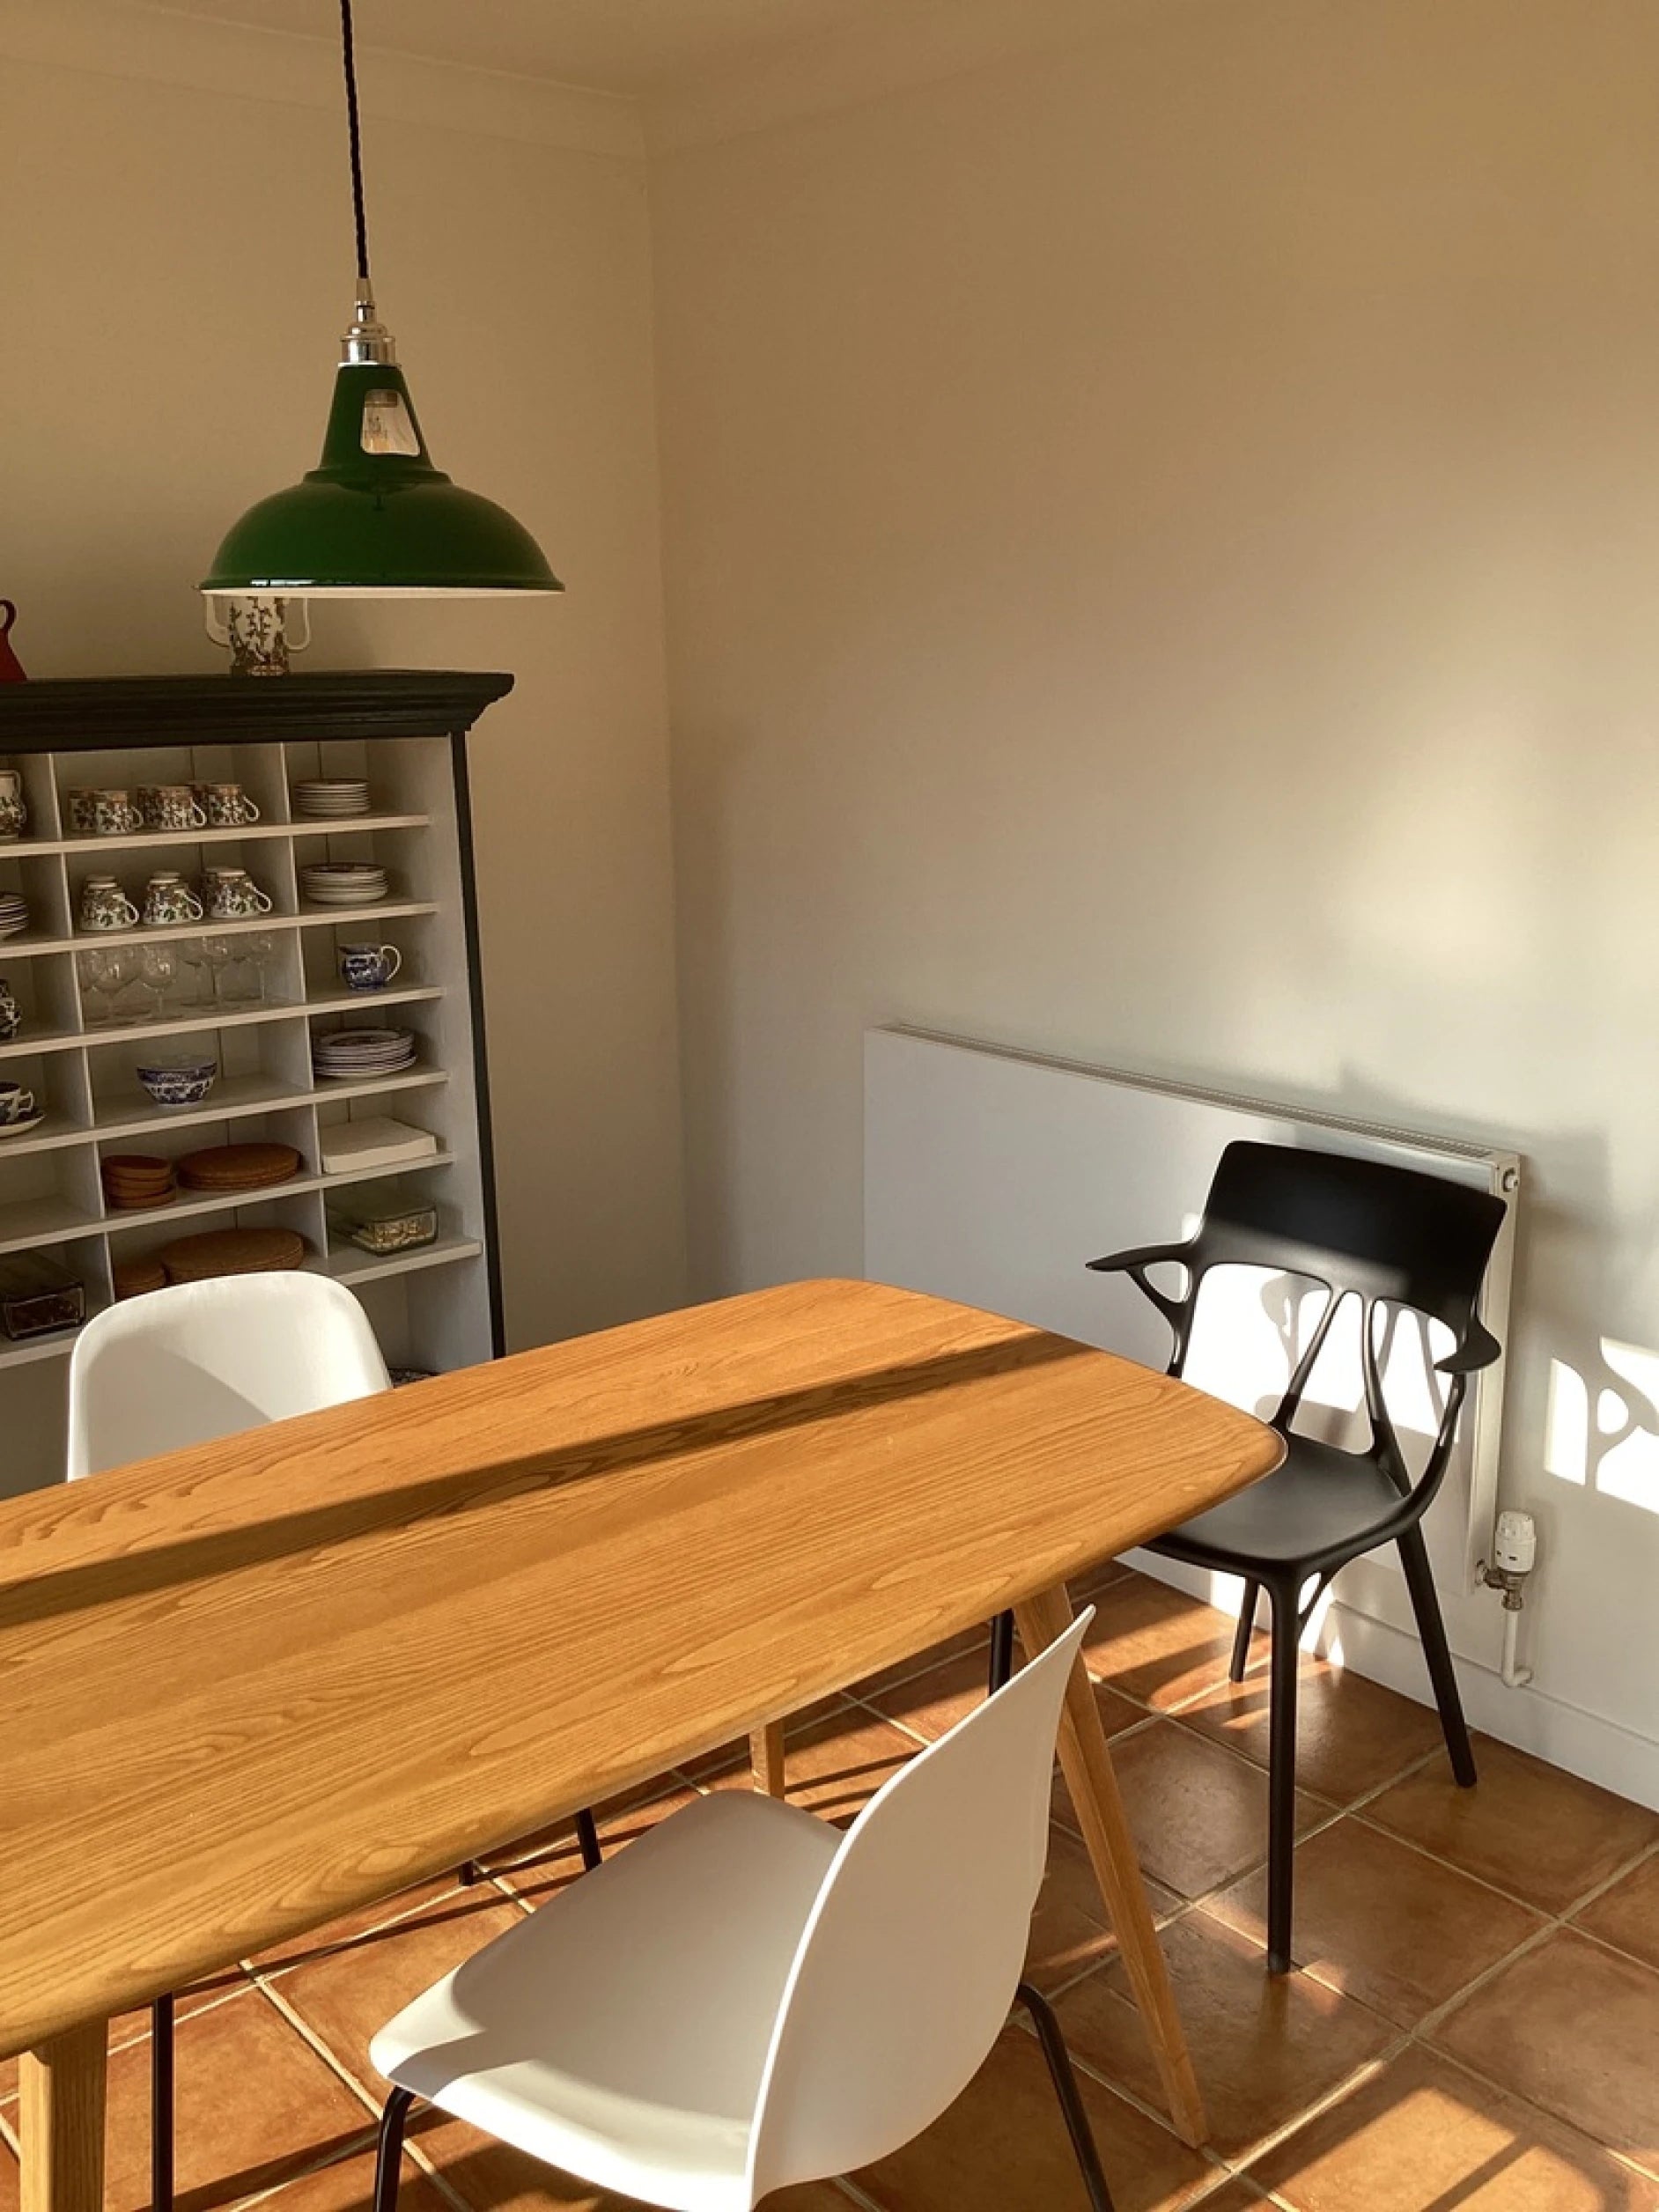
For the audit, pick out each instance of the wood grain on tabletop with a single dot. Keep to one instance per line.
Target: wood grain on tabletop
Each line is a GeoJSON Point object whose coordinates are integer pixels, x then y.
{"type": "Point", "coordinates": [267, 1680]}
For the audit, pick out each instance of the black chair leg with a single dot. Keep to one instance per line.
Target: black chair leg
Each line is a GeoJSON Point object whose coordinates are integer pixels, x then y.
{"type": "Point", "coordinates": [1281, 1778]}
{"type": "Point", "coordinates": [1243, 1633]}
{"type": "Point", "coordinates": [1001, 1651]}
{"type": "Point", "coordinates": [587, 1837]}
{"type": "Point", "coordinates": [1072, 2106]}
{"type": "Point", "coordinates": [388, 2155]}
{"type": "Point", "coordinates": [1420, 1581]}
{"type": "Point", "coordinates": [587, 1843]}
{"type": "Point", "coordinates": [161, 2105]}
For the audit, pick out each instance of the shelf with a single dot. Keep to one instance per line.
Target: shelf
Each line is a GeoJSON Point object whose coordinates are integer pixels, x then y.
{"type": "Point", "coordinates": [248, 833]}
{"type": "Point", "coordinates": [57, 1346]}
{"type": "Point", "coordinates": [436, 1307]}
{"type": "Point", "coordinates": [27, 946]}
{"type": "Point", "coordinates": [196, 1018]}
{"type": "Point", "coordinates": [54, 1220]}
{"type": "Point", "coordinates": [347, 1264]}
{"type": "Point", "coordinates": [190, 1209]}
{"type": "Point", "coordinates": [231, 1099]}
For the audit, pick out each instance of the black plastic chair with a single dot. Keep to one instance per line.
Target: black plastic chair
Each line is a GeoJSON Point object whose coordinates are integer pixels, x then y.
{"type": "Point", "coordinates": [1395, 1239]}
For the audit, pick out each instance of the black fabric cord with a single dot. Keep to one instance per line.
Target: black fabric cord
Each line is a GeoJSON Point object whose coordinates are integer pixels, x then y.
{"type": "Point", "coordinates": [349, 54]}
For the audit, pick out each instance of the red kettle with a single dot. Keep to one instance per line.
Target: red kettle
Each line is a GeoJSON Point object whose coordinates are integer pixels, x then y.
{"type": "Point", "coordinates": [10, 667]}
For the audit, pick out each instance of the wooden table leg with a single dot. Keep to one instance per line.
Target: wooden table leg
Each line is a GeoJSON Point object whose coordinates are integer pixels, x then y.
{"type": "Point", "coordinates": [1087, 1768]}
{"type": "Point", "coordinates": [766, 1758]}
{"type": "Point", "coordinates": [61, 2121]}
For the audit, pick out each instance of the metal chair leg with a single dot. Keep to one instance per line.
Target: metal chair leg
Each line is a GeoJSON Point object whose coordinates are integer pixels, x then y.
{"type": "Point", "coordinates": [588, 1841]}
{"type": "Point", "coordinates": [1001, 1651]}
{"type": "Point", "coordinates": [1419, 1581]}
{"type": "Point", "coordinates": [587, 1837]}
{"type": "Point", "coordinates": [1072, 2106]}
{"type": "Point", "coordinates": [161, 2105]}
{"type": "Point", "coordinates": [1281, 1778]}
{"type": "Point", "coordinates": [1243, 1633]}
{"type": "Point", "coordinates": [388, 2155]}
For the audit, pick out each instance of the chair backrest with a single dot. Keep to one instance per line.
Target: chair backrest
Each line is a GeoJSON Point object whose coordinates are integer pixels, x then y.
{"type": "Point", "coordinates": [909, 1964]}
{"type": "Point", "coordinates": [201, 1361]}
{"type": "Point", "coordinates": [1362, 1229]}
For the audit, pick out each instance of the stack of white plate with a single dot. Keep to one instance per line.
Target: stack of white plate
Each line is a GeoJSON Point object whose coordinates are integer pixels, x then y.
{"type": "Point", "coordinates": [14, 914]}
{"type": "Point", "coordinates": [342, 882]}
{"type": "Point", "coordinates": [362, 1054]}
{"type": "Point", "coordinates": [323, 798]}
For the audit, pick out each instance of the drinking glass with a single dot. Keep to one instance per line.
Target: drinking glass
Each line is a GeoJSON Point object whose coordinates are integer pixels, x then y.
{"type": "Point", "coordinates": [104, 975]}
{"type": "Point", "coordinates": [261, 952]}
{"type": "Point", "coordinates": [158, 974]}
{"type": "Point", "coordinates": [218, 952]}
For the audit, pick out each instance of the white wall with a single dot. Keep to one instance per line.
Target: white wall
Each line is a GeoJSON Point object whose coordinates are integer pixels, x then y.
{"type": "Point", "coordinates": [175, 271]}
{"type": "Point", "coordinates": [1164, 567]}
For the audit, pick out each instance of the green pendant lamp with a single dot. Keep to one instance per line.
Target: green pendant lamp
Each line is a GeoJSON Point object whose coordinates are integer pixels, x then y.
{"type": "Point", "coordinates": [375, 519]}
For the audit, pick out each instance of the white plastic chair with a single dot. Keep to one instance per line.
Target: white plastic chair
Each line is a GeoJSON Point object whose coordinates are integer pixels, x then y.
{"type": "Point", "coordinates": [747, 1999]}
{"type": "Point", "coordinates": [186, 1365]}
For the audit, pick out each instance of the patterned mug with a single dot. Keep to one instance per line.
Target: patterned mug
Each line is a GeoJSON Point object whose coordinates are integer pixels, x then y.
{"type": "Point", "coordinates": [13, 814]}
{"type": "Point", "coordinates": [106, 906]}
{"type": "Point", "coordinates": [369, 967]}
{"type": "Point", "coordinates": [11, 1013]}
{"type": "Point", "coordinates": [227, 805]}
{"type": "Point", "coordinates": [171, 806]}
{"type": "Point", "coordinates": [232, 893]}
{"type": "Point", "coordinates": [169, 898]}
{"type": "Point", "coordinates": [15, 1103]}
{"type": "Point", "coordinates": [103, 814]}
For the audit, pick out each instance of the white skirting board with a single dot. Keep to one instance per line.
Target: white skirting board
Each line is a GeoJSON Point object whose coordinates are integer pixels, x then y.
{"type": "Point", "coordinates": [992, 1176]}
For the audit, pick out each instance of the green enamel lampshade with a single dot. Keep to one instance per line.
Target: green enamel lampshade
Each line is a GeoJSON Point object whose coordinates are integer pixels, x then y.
{"type": "Point", "coordinates": [375, 519]}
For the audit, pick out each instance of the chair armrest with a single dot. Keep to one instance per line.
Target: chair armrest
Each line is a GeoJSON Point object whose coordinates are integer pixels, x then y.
{"type": "Point", "coordinates": [1138, 1257]}
{"type": "Point", "coordinates": [1478, 1349]}
{"type": "Point", "coordinates": [1134, 1264]}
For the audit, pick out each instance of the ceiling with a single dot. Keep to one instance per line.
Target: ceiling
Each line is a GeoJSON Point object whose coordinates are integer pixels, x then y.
{"type": "Point", "coordinates": [615, 46]}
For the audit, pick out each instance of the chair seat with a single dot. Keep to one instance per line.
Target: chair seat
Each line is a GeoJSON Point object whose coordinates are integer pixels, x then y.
{"type": "Point", "coordinates": [1320, 1506]}
{"type": "Point", "coordinates": [622, 2031]}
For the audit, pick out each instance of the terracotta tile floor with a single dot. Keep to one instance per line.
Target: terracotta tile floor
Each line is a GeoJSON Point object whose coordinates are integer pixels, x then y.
{"type": "Point", "coordinates": [1473, 2025]}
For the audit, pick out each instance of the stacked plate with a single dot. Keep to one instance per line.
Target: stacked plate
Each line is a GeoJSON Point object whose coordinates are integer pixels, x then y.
{"type": "Point", "coordinates": [342, 882]}
{"type": "Point", "coordinates": [227, 1167]}
{"type": "Point", "coordinates": [362, 1054]}
{"type": "Point", "coordinates": [14, 914]}
{"type": "Point", "coordinates": [136, 1181]}
{"type": "Point", "coordinates": [326, 798]}
{"type": "Point", "coordinates": [194, 1259]}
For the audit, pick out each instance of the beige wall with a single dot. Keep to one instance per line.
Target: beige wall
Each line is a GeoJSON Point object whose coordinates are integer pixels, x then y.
{"type": "Point", "coordinates": [1164, 567]}
{"type": "Point", "coordinates": [176, 268]}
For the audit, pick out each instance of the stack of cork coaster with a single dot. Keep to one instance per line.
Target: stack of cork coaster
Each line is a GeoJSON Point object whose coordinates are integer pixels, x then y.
{"type": "Point", "coordinates": [134, 1180]}
{"type": "Point", "coordinates": [133, 1277]}
{"type": "Point", "coordinates": [194, 1259]}
{"type": "Point", "coordinates": [223, 1168]}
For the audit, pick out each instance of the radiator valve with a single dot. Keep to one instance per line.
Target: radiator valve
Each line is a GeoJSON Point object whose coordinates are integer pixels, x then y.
{"type": "Point", "coordinates": [1515, 1551]}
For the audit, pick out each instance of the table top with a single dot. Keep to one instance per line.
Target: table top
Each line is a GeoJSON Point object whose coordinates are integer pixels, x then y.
{"type": "Point", "coordinates": [262, 1682]}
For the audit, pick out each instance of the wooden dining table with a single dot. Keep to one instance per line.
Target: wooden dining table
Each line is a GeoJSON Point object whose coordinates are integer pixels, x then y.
{"type": "Point", "coordinates": [261, 1682]}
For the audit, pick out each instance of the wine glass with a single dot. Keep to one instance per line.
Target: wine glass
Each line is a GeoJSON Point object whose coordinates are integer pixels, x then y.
{"type": "Point", "coordinates": [261, 952]}
{"type": "Point", "coordinates": [218, 952]}
{"type": "Point", "coordinates": [157, 973]}
{"type": "Point", "coordinates": [104, 975]}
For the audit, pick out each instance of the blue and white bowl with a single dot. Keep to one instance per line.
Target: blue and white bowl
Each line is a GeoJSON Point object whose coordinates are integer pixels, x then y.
{"type": "Point", "coordinates": [180, 1082]}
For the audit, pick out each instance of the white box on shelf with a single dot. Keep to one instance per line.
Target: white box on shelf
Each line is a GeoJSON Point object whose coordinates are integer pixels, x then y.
{"type": "Point", "coordinates": [348, 1147]}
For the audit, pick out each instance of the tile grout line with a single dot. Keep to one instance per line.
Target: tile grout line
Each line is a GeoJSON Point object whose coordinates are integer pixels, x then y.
{"type": "Point", "coordinates": [412, 2151]}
